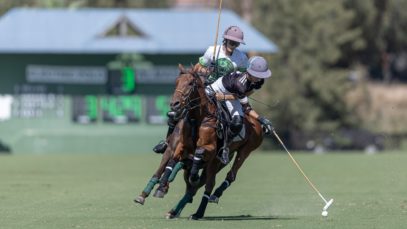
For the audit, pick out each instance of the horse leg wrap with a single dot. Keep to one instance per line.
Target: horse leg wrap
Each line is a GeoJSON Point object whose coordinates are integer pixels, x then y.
{"type": "Point", "coordinates": [168, 170]}
{"type": "Point", "coordinates": [202, 206]}
{"type": "Point", "coordinates": [197, 163]}
{"type": "Point", "coordinates": [175, 170]}
{"type": "Point", "coordinates": [187, 198]}
{"type": "Point", "coordinates": [153, 181]}
{"type": "Point", "coordinates": [219, 191]}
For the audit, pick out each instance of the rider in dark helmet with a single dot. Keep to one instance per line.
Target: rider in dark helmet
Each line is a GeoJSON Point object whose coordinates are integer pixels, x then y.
{"type": "Point", "coordinates": [215, 63]}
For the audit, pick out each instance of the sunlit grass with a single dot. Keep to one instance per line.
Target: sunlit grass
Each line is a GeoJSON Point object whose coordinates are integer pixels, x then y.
{"type": "Point", "coordinates": [96, 191]}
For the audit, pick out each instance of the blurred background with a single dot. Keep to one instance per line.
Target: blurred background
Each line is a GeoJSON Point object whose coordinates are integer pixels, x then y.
{"type": "Point", "coordinates": [80, 76]}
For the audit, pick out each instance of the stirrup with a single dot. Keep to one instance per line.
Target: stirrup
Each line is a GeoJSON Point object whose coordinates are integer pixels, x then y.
{"type": "Point", "coordinates": [160, 147]}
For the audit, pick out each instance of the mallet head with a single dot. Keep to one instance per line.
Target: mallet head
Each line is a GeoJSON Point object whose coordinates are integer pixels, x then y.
{"type": "Point", "coordinates": [328, 204]}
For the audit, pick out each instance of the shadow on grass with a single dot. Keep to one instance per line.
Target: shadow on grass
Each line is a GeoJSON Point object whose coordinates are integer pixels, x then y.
{"type": "Point", "coordinates": [244, 217]}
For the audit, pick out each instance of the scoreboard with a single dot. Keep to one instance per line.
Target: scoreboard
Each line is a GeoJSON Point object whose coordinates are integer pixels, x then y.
{"type": "Point", "coordinates": [123, 104]}
{"type": "Point", "coordinates": [121, 82]}
{"type": "Point", "coordinates": [120, 109]}
{"type": "Point", "coordinates": [96, 94]}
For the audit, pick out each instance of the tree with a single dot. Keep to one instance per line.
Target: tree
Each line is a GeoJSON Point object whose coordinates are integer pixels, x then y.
{"type": "Point", "coordinates": [307, 89]}
{"type": "Point", "coordinates": [382, 23]}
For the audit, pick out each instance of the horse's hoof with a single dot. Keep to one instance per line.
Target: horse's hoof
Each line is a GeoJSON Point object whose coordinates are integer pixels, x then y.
{"type": "Point", "coordinates": [139, 200]}
{"type": "Point", "coordinates": [195, 217]}
{"type": "Point", "coordinates": [159, 194]}
{"type": "Point", "coordinates": [213, 199]}
{"type": "Point", "coordinates": [171, 215]}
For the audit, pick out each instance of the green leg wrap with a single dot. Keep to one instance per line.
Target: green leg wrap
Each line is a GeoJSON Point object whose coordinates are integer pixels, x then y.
{"type": "Point", "coordinates": [175, 170]}
{"type": "Point", "coordinates": [181, 204]}
{"type": "Point", "coordinates": [153, 181]}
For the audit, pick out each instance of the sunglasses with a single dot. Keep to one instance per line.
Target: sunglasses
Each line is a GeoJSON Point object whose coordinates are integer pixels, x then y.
{"type": "Point", "coordinates": [233, 43]}
{"type": "Point", "coordinates": [253, 78]}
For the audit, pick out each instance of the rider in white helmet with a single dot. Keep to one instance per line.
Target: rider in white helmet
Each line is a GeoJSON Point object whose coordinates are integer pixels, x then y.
{"type": "Point", "coordinates": [228, 58]}
{"type": "Point", "coordinates": [225, 58]}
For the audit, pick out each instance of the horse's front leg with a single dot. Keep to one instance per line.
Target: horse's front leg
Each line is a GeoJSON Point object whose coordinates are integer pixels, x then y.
{"type": "Point", "coordinates": [168, 175]}
{"type": "Point", "coordinates": [164, 181]}
{"type": "Point", "coordinates": [187, 198]}
{"type": "Point", "coordinates": [206, 149]}
{"type": "Point", "coordinates": [210, 172]}
{"type": "Point", "coordinates": [154, 179]}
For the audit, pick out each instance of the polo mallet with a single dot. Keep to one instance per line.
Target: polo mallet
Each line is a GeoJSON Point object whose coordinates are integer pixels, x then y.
{"type": "Point", "coordinates": [327, 203]}
{"type": "Point", "coordinates": [217, 30]}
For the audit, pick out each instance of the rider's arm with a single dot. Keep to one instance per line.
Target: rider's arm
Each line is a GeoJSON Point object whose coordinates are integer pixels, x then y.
{"type": "Point", "coordinates": [248, 110]}
{"type": "Point", "coordinates": [222, 97]}
{"type": "Point", "coordinates": [206, 59]}
{"type": "Point", "coordinates": [253, 114]}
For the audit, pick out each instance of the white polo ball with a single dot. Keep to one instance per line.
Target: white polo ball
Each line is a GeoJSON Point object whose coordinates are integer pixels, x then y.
{"type": "Point", "coordinates": [324, 213]}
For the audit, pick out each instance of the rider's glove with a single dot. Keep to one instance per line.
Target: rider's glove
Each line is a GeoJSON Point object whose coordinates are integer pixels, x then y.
{"type": "Point", "coordinates": [266, 124]}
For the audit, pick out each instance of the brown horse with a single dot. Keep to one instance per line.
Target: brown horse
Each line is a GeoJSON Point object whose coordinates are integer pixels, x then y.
{"type": "Point", "coordinates": [207, 146]}
{"type": "Point", "coordinates": [172, 140]}
{"type": "Point", "coordinates": [181, 143]}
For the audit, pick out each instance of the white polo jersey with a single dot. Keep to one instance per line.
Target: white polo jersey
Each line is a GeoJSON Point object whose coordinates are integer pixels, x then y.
{"type": "Point", "coordinates": [238, 58]}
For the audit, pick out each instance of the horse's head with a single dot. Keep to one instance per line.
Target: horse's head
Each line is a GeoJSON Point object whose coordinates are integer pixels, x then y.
{"type": "Point", "coordinates": [186, 94]}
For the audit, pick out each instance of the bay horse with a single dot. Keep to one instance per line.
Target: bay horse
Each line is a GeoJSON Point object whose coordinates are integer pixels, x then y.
{"type": "Point", "coordinates": [181, 143]}
{"type": "Point", "coordinates": [207, 146]}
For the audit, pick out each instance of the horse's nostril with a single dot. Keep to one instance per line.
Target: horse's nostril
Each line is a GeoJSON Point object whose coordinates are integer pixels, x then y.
{"type": "Point", "coordinates": [175, 105]}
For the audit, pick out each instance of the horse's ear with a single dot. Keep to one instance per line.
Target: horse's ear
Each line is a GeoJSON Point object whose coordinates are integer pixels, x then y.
{"type": "Point", "coordinates": [182, 69]}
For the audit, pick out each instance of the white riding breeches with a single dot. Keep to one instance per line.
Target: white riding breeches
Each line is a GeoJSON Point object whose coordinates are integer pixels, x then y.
{"type": "Point", "coordinates": [234, 106]}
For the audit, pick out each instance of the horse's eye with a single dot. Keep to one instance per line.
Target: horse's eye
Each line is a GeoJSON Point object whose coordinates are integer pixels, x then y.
{"type": "Point", "coordinates": [191, 83]}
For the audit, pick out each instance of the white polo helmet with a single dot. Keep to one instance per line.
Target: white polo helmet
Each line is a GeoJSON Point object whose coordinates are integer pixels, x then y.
{"type": "Point", "coordinates": [234, 33]}
{"type": "Point", "coordinates": [258, 67]}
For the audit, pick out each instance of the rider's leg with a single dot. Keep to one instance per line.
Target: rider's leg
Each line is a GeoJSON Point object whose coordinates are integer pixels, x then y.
{"type": "Point", "coordinates": [162, 145]}
{"type": "Point", "coordinates": [235, 126]}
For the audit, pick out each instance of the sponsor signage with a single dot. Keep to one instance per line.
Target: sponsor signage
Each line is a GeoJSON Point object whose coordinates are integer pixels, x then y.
{"type": "Point", "coordinates": [66, 75]}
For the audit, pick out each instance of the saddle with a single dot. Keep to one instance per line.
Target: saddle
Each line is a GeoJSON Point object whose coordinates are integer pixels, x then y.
{"type": "Point", "coordinates": [224, 118]}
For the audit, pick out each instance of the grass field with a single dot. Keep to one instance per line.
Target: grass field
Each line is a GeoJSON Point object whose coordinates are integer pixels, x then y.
{"type": "Point", "coordinates": [96, 191]}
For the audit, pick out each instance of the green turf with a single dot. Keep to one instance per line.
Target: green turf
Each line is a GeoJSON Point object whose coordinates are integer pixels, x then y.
{"type": "Point", "coordinates": [96, 191]}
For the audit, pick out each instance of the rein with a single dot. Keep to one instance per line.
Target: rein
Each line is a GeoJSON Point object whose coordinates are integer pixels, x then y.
{"type": "Point", "coordinates": [188, 102]}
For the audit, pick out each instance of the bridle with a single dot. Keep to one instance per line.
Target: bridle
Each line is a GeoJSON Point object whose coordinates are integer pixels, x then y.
{"type": "Point", "coordinates": [187, 104]}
